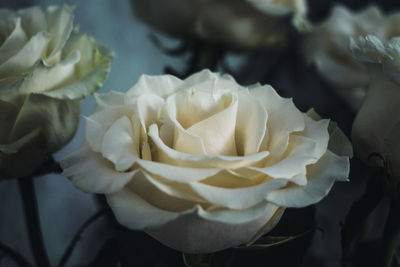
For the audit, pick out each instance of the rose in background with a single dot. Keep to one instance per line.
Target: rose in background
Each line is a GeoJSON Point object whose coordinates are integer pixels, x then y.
{"type": "Point", "coordinates": [239, 24]}
{"type": "Point", "coordinates": [46, 68]}
{"type": "Point", "coordinates": [380, 111]}
{"type": "Point", "coordinates": [204, 164]}
{"type": "Point", "coordinates": [327, 48]}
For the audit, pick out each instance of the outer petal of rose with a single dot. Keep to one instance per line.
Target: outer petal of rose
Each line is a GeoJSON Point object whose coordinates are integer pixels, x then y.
{"type": "Point", "coordinates": [38, 110]}
{"type": "Point", "coordinates": [91, 70]}
{"type": "Point", "coordinates": [195, 233]}
{"type": "Point", "coordinates": [119, 144]}
{"type": "Point", "coordinates": [368, 49]}
{"type": "Point", "coordinates": [283, 119]}
{"type": "Point", "coordinates": [60, 22]}
{"type": "Point", "coordinates": [108, 100]}
{"type": "Point", "coordinates": [237, 198]}
{"type": "Point", "coordinates": [379, 112]}
{"type": "Point", "coordinates": [98, 123]}
{"type": "Point", "coordinates": [33, 20]}
{"type": "Point", "coordinates": [303, 151]}
{"type": "Point", "coordinates": [161, 85]}
{"type": "Point", "coordinates": [321, 177]}
{"type": "Point", "coordinates": [338, 141]}
{"type": "Point", "coordinates": [14, 42]}
{"type": "Point", "coordinates": [27, 56]}
{"type": "Point", "coordinates": [168, 155]}
{"type": "Point", "coordinates": [391, 151]}
{"type": "Point", "coordinates": [45, 78]}
{"type": "Point", "coordinates": [90, 172]}
{"type": "Point", "coordinates": [135, 213]}
{"type": "Point", "coordinates": [391, 61]}
{"type": "Point", "coordinates": [317, 131]}
{"type": "Point", "coordinates": [251, 124]}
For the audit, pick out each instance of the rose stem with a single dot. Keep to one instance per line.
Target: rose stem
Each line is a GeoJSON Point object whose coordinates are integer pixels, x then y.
{"type": "Point", "coordinates": [78, 234]}
{"type": "Point", "coordinates": [32, 220]}
{"type": "Point", "coordinates": [391, 234]}
{"type": "Point", "coordinates": [15, 256]}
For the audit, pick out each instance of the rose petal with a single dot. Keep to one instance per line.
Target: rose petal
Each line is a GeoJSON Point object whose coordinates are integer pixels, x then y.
{"type": "Point", "coordinates": [195, 233]}
{"type": "Point", "coordinates": [27, 56]}
{"type": "Point", "coordinates": [283, 119]}
{"type": "Point", "coordinates": [119, 144]}
{"type": "Point", "coordinates": [91, 173]}
{"type": "Point", "coordinates": [321, 177]}
{"type": "Point", "coordinates": [98, 123]}
{"type": "Point", "coordinates": [167, 155]}
{"type": "Point", "coordinates": [33, 20]}
{"type": "Point", "coordinates": [251, 124]}
{"type": "Point", "coordinates": [237, 198]}
{"type": "Point", "coordinates": [162, 85]}
{"type": "Point", "coordinates": [14, 42]}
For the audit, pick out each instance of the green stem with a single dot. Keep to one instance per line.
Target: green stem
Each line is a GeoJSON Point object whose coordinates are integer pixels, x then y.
{"type": "Point", "coordinates": [391, 235]}
{"type": "Point", "coordinates": [28, 195]}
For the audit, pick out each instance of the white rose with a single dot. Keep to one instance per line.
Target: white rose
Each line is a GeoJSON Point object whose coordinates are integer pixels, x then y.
{"type": "Point", "coordinates": [46, 68]}
{"type": "Point", "coordinates": [243, 24]}
{"type": "Point", "coordinates": [327, 48]}
{"type": "Point", "coordinates": [380, 110]}
{"type": "Point", "coordinates": [204, 164]}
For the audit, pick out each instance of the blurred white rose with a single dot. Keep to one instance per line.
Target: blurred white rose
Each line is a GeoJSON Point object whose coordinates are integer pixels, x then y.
{"type": "Point", "coordinates": [238, 24]}
{"type": "Point", "coordinates": [204, 164]}
{"type": "Point", "coordinates": [327, 48]}
{"type": "Point", "coordinates": [380, 110]}
{"type": "Point", "coordinates": [46, 68]}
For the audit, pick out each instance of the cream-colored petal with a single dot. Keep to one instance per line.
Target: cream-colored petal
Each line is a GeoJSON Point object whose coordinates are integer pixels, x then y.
{"type": "Point", "coordinates": [91, 173]}
{"type": "Point", "coordinates": [162, 85]}
{"type": "Point", "coordinates": [134, 212]}
{"type": "Point", "coordinates": [27, 56]}
{"type": "Point", "coordinates": [14, 41]}
{"type": "Point", "coordinates": [302, 151]}
{"type": "Point", "coordinates": [60, 22]}
{"type": "Point", "coordinates": [177, 173]}
{"type": "Point", "coordinates": [200, 232]}
{"type": "Point", "coordinates": [164, 195]}
{"type": "Point", "coordinates": [33, 20]}
{"type": "Point", "coordinates": [165, 154]}
{"type": "Point", "coordinates": [119, 144]}
{"type": "Point", "coordinates": [218, 131]}
{"type": "Point", "coordinates": [108, 100]}
{"type": "Point", "coordinates": [317, 131]}
{"type": "Point", "coordinates": [90, 71]}
{"type": "Point", "coordinates": [47, 77]}
{"type": "Point", "coordinates": [237, 198]}
{"type": "Point", "coordinates": [321, 177]}
{"type": "Point", "coordinates": [283, 119]}
{"type": "Point", "coordinates": [251, 124]}
{"type": "Point", "coordinates": [98, 123]}
{"type": "Point", "coordinates": [149, 109]}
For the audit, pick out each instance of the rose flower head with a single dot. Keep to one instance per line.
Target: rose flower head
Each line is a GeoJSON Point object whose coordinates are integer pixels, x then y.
{"type": "Point", "coordinates": [235, 24]}
{"type": "Point", "coordinates": [327, 47]}
{"type": "Point", "coordinates": [204, 164]}
{"type": "Point", "coordinates": [380, 110]}
{"type": "Point", "coordinates": [46, 68]}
